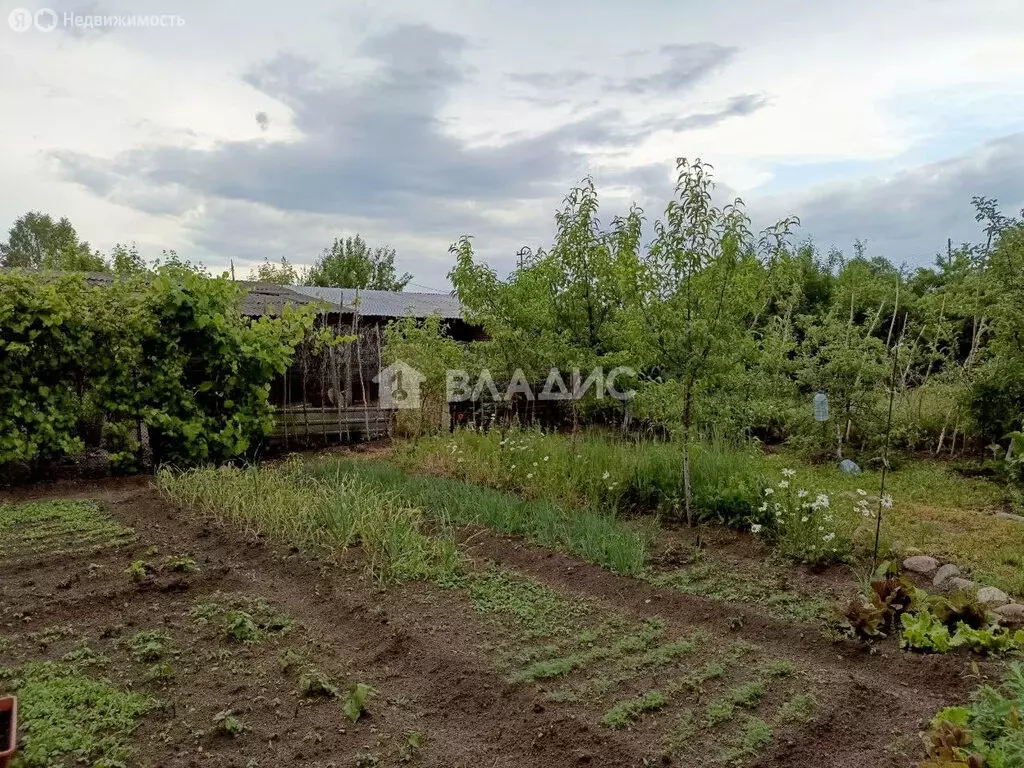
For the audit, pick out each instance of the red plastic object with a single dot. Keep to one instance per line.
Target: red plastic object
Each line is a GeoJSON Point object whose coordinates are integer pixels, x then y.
{"type": "Point", "coordinates": [8, 729]}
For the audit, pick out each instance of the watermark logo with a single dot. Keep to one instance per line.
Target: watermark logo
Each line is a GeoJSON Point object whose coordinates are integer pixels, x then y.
{"type": "Point", "coordinates": [400, 386]}
{"type": "Point", "coordinates": [47, 19]}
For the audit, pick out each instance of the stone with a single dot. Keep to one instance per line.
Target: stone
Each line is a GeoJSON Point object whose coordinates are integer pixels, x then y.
{"type": "Point", "coordinates": [849, 467]}
{"type": "Point", "coordinates": [923, 564]}
{"type": "Point", "coordinates": [1011, 613]}
{"type": "Point", "coordinates": [1010, 516]}
{"type": "Point", "coordinates": [958, 584]}
{"type": "Point", "coordinates": [947, 571]}
{"type": "Point", "coordinates": [992, 596]}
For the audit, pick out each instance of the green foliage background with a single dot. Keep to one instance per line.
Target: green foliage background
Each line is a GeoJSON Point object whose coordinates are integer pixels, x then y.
{"type": "Point", "coordinates": [169, 351]}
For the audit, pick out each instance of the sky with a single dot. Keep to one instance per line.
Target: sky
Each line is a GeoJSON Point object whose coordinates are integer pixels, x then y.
{"type": "Point", "coordinates": [238, 131]}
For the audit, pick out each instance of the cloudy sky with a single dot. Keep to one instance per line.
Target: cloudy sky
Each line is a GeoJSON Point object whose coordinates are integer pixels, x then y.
{"type": "Point", "coordinates": [260, 129]}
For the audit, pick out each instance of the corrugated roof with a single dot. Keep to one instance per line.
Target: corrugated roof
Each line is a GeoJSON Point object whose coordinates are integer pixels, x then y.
{"type": "Point", "coordinates": [258, 299]}
{"type": "Point", "coordinates": [269, 299]}
{"type": "Point", "coordinates": [387, 303]}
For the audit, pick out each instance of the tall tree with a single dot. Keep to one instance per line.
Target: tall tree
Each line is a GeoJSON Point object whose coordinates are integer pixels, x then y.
{"type": "Point", "coordinates": [36, 241]}
{"type": "Point", "coordinates": [280, 274]}
{"type": "Point", "coordinates": [351, 263]}
{"type": "Point", "coordinates": [125, 260]}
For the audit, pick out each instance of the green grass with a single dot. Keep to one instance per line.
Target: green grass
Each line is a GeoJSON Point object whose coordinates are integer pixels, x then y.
{"type": "Point", "coordinates": [936, 511]}
{"type": "Point", "coordinates": [593, 469]}
{"type": "Point", "coordinates": [745, 696]}
{"type": "Point", "coordinates": [537, 609]}
{"type": "Point", "coordinates": [66, 717]}
{"type": "Point", "coordinates": [323, 514]}
{"type": "Point", "coordinates": [625, 713]}
{"type": "Point", "coordinates": [592, 534]}
{"type": "Point", "coordinates": [799, 709]}
{"type": "Point", "coordinates": [714, 581]}
{"type": "Point", "coordinates": [755, 736]}
{"type": "Point", "coordinates": [41, 528]}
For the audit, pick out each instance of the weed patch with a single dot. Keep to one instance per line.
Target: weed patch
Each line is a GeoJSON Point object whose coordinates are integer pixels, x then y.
{"type": "Point", "coordinates": [241, 618]}
{"type": "Point", "coordinates": [625, 713]}
{"type": "Point", "coordinates": [537, 609]}
{"type": "Point", "coordinates": [47, 528]}
{"type": "Point", "coordinates": [66, 714]}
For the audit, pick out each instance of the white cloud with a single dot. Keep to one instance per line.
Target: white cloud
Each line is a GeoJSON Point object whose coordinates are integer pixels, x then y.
{"type": "Point", "coordinates": [870, 95]}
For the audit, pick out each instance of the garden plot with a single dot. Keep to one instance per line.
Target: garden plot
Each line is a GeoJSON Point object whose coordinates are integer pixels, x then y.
{"type": "Point", "coordinates": [208, 645]}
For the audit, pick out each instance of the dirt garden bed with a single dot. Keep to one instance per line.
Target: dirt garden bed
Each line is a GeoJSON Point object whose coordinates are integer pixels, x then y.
{"type": "Point", "coordinates": [217, 649]}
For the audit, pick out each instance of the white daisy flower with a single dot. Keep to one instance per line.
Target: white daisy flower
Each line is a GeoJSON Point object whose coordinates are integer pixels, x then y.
{"type": "Point", "coordinates": [755, 528]}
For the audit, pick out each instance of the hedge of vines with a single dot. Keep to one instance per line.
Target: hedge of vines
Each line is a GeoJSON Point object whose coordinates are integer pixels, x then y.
{"type": "Point", "coordinates": [167, 354]}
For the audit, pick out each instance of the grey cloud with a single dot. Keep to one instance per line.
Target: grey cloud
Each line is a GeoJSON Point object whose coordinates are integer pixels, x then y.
{"type": "Point", "coordinates": [552, 80]}
{"type": "Point", "coordinates": [373, 154]}
{"type": "Point", "coordinates": [908, 215]}
{"type": "Point", "coordinates": [737, 106]}
{"type": "Point", "coordinates": [687, 65]}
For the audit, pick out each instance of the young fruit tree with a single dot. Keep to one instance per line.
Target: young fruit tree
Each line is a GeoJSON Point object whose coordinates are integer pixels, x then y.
{"type": "Point", "coordinates": [700, 294]}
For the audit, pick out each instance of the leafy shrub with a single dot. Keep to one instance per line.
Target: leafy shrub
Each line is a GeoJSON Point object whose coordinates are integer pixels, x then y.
{"type": "Point", "coordinates": [170, 351]}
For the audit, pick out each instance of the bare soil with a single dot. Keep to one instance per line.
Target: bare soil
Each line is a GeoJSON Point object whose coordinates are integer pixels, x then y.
{"type": "Point", "coordinates": [440, 668]}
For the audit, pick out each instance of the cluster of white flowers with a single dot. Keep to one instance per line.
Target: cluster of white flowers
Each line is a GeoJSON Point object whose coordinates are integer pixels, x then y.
{"type": "Point", "coordinates": [803, 524]}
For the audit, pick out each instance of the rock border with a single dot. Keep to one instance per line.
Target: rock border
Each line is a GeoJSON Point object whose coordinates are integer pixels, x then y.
{"type": "Point", "coordinates": [947, 577]}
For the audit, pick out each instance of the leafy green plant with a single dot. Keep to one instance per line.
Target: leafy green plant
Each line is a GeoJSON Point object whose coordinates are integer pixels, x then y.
{"type": "Point", "coordinates": [180, 564]}
{"type": "Point", "coordinates": [989, 732]}
{"type": "Point", "coordinates": [314, 683]}
{"type": "Point", "coordinates": [925, 632]}
{"type": "Point", "coordinates": [874, 614]}
{"type": "Point", "coordinates": [65, 714]}
{"type": "Point", "coordinates": [158, 673]}
{"type": "Point", "coordinates": [228, 724]}
{"type": "Point", "coordinates": [139, 570]}
{"type": "Point", "coordinates": [150, 645]}
{"type": "Point", "coordinates": [289, 658]}
{"type": "Point", "coordinates": [411, 747]}
{"type": "Point", "coordinates": [356, 700]}
{"type": "Point", "coordinates": [242, 628]}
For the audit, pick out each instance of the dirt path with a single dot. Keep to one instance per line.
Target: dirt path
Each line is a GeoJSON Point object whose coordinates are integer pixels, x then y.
{"type": "Point", "coordinates": [442, 668]}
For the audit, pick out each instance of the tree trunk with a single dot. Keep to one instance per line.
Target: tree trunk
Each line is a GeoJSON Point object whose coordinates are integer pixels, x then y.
{"type": "Point", "coordinates": [691, 518]}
